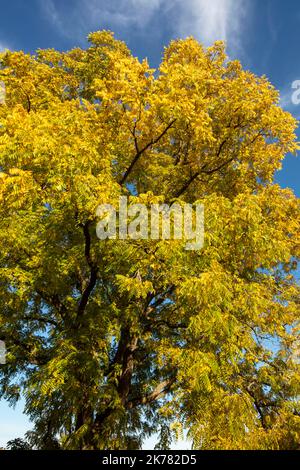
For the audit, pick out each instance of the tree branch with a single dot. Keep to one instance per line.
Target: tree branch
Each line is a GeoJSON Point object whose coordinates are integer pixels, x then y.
{"type": "Point", "coordinates": [186, 185]}
{"type": "Point", "coordinates": [53, 300]}
{"type": "Point", "coordinates": [93, 272]}
{"type": "Point", "coordinates": [172, 326]}
{"type": "Point", "coordinates": [36, 359]}
{"type": "Point", "coordinates": [184, 188]}
{"type": "Point", "coordinates": [141, 151]}
{"type": "Point", "coordinates": [202, 171]}
{"type": "Point", "coordinates": [40, 319]}
{"type": "Point", "coordinates": [161, 389]}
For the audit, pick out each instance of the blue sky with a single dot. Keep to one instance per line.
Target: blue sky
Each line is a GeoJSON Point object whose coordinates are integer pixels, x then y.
{"type": "Point", "coordinates": [264, 35]}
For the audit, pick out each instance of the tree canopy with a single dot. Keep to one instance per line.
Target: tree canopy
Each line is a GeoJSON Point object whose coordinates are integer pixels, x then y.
{"type": "Point", "coordinates": [111, 341]}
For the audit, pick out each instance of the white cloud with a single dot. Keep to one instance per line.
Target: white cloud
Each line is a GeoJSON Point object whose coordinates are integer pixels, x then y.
{"type": "Point", "coordinates": [286, 98]}
{"type": "Point", "coordinates": [207, 20]}
{"type": "Point", "coordinates": [125, 12]}
{"type": "Point", "coordinates": [210, 20]}
{"type": "Point", "coordinates": [52, 14]}
{"type": "Point", "coordinates": [86, 15]}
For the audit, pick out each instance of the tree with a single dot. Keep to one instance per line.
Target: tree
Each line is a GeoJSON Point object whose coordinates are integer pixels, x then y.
{"type": "Point", "coordinates": [113, 340]}
{"type": "Point", "coordinates": [18, 444]}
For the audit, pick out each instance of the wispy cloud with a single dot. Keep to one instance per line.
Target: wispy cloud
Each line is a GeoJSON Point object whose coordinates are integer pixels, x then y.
{"type": "Point", "coordinates": [85, 15]}
{"type": "Point", "coordinates": [52, 14]}
{"type": "Point", "coordinates": [211, 20]}
{"type": "Point", "coordinates": [125, 12]}
{"type": "Point", "coordinates": [207, 20]}
{"type": "Point", "coordinates": [286, 98]}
